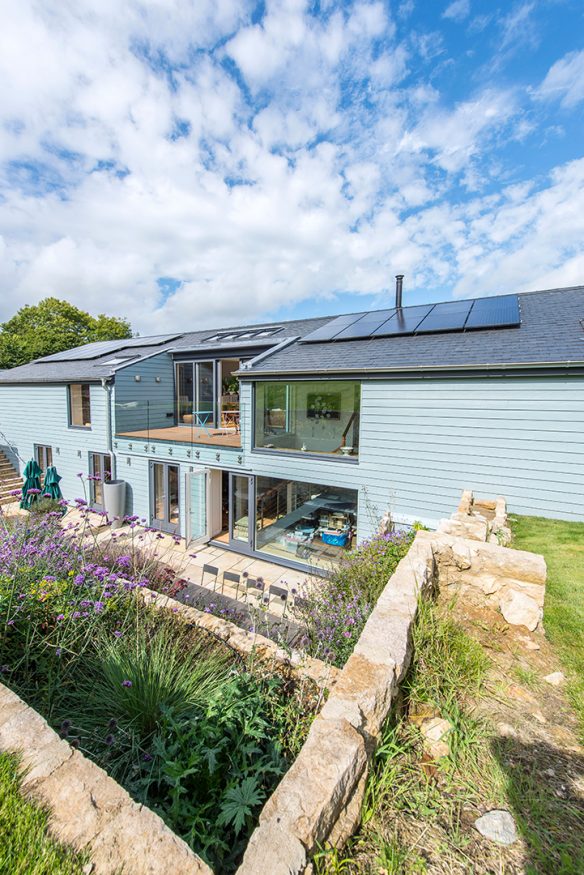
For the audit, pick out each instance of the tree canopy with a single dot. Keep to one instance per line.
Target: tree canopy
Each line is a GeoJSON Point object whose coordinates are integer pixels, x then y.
{"type": "Point", "coordinates": [52, 326]}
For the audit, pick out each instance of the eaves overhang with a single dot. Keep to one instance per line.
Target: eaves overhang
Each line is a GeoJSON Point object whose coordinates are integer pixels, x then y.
{"type": "Point", "coordinates": [576, 368]}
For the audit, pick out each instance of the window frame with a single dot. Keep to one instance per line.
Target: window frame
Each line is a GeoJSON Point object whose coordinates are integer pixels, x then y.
{"type": "Point", "coordinates": [41, 450]}
{"type": "Point", "coordinates": [72, 424]}
{"type": "Point", "coordinates": [290, 416]}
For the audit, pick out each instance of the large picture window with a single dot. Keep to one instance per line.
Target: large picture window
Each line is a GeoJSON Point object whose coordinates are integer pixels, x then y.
{"type": "Point", "coordinates": [308, 522]}
{"type": "Point", "coordinates": [308, 416]}
{"type": "Point", "coordinates": [79, 405]}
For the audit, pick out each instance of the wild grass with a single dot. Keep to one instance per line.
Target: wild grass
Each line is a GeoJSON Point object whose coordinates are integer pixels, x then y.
{"type": "Point", "coordinates": [562, 545]}
{"type": "Point", "coordinates": [407, 792]}
{"type": "Point", "coordinates": [25, 845]}
{"type": "Point", "coordinates": [418, 813]}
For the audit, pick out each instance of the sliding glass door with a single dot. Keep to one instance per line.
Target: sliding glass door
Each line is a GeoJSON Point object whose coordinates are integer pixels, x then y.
{"type": "Point", "coordinates": [240, 507]}
{"type": "Point", "coordinates": [195, 389]}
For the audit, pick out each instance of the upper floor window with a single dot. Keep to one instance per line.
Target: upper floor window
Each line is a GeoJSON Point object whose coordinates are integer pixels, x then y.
{"type": "Point", "coordinates": [43, 456]}
{"type": "Point", "coordinates": [79, 405]}
{"type": "Point", "coordinates": [311, 416]}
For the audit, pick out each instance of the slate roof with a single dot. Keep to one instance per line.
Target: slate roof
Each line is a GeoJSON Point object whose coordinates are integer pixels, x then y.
{"type": "Point", "coordinates": [88, 370]}
{"type": "Point", "coordinates": [550, 335]}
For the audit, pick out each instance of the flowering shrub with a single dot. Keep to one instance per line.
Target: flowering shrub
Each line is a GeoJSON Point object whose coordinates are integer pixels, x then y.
{"type": "Point", "coordinates": [168, 710]}
{"type": "Point", "coordinates": [335, 610]}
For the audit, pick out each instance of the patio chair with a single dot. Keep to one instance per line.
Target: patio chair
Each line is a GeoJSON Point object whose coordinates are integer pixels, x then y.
{"type": "Point", "coordinates": [231, 577]}
{"type": "Point", "coordinates": [280, 593]}
{"type": "Point", "coordinates": [254, 586]}
{"type": "Point", "coordinates": [213, 571]}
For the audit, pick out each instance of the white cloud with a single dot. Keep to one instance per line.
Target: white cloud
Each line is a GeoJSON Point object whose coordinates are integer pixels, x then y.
{"type": "Point", "coordinates": [565, 80]}
{"type": "Point", "coordinates": [458, 10]}
{"type": "Point", "coordinates": [131, 150]}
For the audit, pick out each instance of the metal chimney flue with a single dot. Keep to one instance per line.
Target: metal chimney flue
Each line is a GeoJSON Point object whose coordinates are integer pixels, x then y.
{"type": "Point", "coordinates": [399, 284]}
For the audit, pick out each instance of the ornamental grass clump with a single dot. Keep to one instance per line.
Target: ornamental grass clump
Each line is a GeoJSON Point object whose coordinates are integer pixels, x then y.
{"type": "Point", "coordinates": [334, 611]}
{"type": "Point", "coordinates": [170, 711]}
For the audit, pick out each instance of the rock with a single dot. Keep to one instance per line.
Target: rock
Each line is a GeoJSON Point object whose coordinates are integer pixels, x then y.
{"type": "Point", "coordinates": [521, 695]}
{"type": "Point", "coordinates": [528, 643]}
{"type": "Point", "coordinates": [506, 730]}
{"type": "Point", "coordinates": [497, 826]}
{"type": "Point", "coordinates": [556, 678]}
{"type": "Point", "coordinates": [520, 609]}
{"type": "Point", "coordinates": [434, 731]}
{"type": "Point", "coordinates": [539, 717]}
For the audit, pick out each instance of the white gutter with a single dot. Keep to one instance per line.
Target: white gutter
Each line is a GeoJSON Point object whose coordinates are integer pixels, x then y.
{"type": "Point", "coordinates": [422, 368]}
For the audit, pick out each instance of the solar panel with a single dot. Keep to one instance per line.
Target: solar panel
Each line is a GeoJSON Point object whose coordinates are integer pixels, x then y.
{"type": "Point", "coordinates": [499, 312]}
{"type": "Point", "coordinates": [404, 321]}
{"type": "Point", "coordinates": [331, 329]}
{"type": "Point", "coordinates": [103, 347]}
{"type": "Point", "coordinates": [89, 351]}
{"type": "Point", "coordinates": [365, 326]}
{"type": "Point", "coordinates": [450, 316]}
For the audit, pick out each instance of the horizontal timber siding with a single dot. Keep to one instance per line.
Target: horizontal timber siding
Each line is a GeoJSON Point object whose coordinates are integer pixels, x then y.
{"type": "Point", "coordinates": [39, 414]}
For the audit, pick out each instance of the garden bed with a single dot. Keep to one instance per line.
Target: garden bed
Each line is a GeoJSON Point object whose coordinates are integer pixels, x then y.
{"type": "Point", "coordinates": [175, 715]}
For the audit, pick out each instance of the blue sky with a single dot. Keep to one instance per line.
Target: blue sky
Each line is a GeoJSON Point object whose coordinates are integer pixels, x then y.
{"type": "Point", "coordinates": [192, 164]}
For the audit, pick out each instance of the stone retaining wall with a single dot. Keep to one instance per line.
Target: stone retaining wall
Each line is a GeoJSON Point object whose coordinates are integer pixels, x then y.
{"type": "Point", "coordinates": [512, 581]}
{"type": "Point", "coordinates": [319, 798]}
{"type": "Point", "coordinates": [321, 673]}
{"type": "Point", "coordinates": [88, 810]}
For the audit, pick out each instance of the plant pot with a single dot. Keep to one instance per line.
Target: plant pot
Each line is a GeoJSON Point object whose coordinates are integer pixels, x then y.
{"type": "Point", "coordinates": [114, 501]}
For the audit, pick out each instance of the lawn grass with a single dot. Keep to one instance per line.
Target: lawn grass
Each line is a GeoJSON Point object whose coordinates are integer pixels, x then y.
{"type": "Point", "coordinates": [562, 545]}
{"type": "Point", "coordinates": [25, 846]}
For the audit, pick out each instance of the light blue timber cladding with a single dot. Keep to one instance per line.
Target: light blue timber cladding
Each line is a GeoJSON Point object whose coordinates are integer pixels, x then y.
{"type": "Point", "coordinates": [423, 441]}
{"type": "Point", "coordinates": [517, 437]}
{"type": "Point", "coordinates": [148, 401]}
{"type": "Point", "coordinates": [39, 414]}
{"type": "Point", "coordinates": [133, 465]}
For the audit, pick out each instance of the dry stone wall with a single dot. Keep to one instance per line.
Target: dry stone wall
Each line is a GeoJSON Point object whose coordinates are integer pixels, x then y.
{"type": "Point", "coordinates": [88, 810]}
{"type": "Point", "coordinates": [319, 799]}
{"type": "Point", "coordinates": [321, 673]}
{"type": "Point", "coordinates": [512, 581]}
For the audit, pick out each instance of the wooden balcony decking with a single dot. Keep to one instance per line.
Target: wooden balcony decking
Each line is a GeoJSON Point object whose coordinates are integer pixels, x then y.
{"type": "Point", "coordinates": [180, 434]}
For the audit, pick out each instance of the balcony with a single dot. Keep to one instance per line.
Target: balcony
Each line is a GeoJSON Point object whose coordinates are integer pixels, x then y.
{"type": "Point", "coordinates": [154, 422]}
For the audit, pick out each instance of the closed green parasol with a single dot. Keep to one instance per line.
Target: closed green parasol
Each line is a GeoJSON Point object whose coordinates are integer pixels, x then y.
{"type": "Point", "coordinates": [51, 486]}
{"type": "Point", "coordinates": [31, 488]}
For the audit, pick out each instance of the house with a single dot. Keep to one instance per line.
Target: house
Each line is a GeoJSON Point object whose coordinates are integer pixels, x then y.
{"type": "Point", "coordinates": [290, 440]}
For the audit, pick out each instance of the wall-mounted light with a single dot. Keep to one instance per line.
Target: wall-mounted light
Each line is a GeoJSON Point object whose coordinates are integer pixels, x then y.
{"type": "Point", "coordinates": [197, 454]}
{"type": "Point", "coordinates": [58, 450]}
{"type": "Point", "coordinates": [157, 379]}
{"type": "Point", "coordinates": [240, 460]}
{"type": "Point", "coordinates": [170, 451]}
{"type": "Point", "coordinates": [189, 454]}
{"type": "Point", "coordinates": [137, 378]}
{"type": "Point", "coordinates": [218, 456]}
{"type": "Point", "coordinates": [191, 469]}
{"type": "Point", "coordinates": [116, 444]}
{"type": "Point", "coordinates": [78, 454]}
{"type": "Point", "coordinates": [153, 448]}
{"type": "Point", "coordinates": [128, 460]}
{"type": "Point", "coordinates": [129, 446]}
{"type": "Point", "coordinates": [145, 448]}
